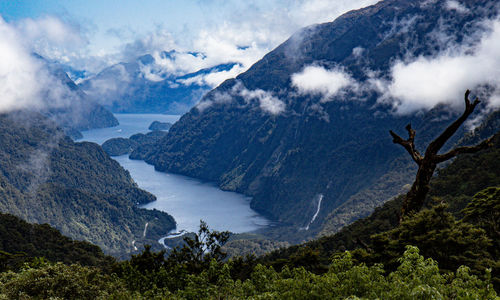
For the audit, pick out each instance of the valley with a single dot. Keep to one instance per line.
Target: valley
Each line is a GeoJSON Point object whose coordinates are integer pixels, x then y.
{"type": "Point", "coordinates": [187, 199]}
{"type": "Point", "coordinates": [314, 149]}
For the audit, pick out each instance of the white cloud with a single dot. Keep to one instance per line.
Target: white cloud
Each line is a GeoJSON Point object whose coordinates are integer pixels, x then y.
{"type": "Point", "coordinates": [456, 6]}
{"type": "Point", "coordinates": [426, 81]}
{"type": "Point", "coordinates": [25, 81]}
{"type": "Point", "coordinates": [159, 39]}
{"type": "Point", "coordinates": [19, 84]}
{"type": "Point", "coordinates": [51, 31]}
{"type": "Point", "coordinates": [267, 102]}
{"type": "Point", "coordinates": [358, 51]}
{"type": "Point", "coordinates": [317, 80]}
{"type": "Point", "coordinates": [108, 87]}
{"type": "Point", "coordinates": [243, 45]}
{"type": "Point", "coordinates": [241, 38]}
{"type": "Point", "coordinates": [58, 40]}
{"type": "Point", "coordinates": [216, 98]}
{"type": "Point", "coordinates": [213, 79]}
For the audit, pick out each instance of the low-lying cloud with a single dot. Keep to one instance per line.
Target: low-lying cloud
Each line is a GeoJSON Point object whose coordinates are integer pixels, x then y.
{"type": "Point", "coordinates": [456, 6]}
{"type": "Point", "coordinates": [49, 32]}
{"type": "Point", "coordinates": [25, 81]}
{"type": "Point", "coordinates": [316, 80]}
{"type": "Point", "coordinates": [213, 79]}
{"type": "Point", "coordinates": [266, 100]}
{"type": "Point", "coordinates": [423, 82]}
{"type": "Point", "coordinates": [242, 38]}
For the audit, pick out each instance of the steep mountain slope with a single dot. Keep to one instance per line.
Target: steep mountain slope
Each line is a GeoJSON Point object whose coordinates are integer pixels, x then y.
{"type": "Point", "coordinates": [135, 87]}
{"type": "Point", "coordinates": [69, 106]}
{"type": "Point", "coordinates": [301, 156]}
{"type": "Point", "coordinates": [75, 187]}
{"type": "Point", "coordinates": [455, 185]}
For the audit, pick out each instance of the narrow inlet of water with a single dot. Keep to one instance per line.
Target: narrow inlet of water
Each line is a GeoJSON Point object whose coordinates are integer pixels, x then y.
{"type": "Point", "coordinates": [188, 200]}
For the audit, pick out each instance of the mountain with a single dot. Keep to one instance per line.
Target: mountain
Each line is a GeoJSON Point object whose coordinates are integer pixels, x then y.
{"type": "Point", "coordinates": [45, 177]}
{"type": "Point", "coordinates": [307, 158]}
{"type": "Point", "coordinates": [467, 179]}
{"type": "Point", "coordinates": [136, 87]}
{"type": "Point", "coordinates": [439, 252]}
{"type": "Point", "coordinates": [76, 110]}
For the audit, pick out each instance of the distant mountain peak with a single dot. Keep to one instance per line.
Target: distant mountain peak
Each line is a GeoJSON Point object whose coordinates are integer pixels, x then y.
{"type": "Point", "coordinates": [145, 85]}
{"type": "Point", "coordinates": [341, 85]}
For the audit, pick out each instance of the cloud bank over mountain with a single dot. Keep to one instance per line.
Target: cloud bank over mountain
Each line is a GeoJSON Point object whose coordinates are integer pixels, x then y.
{"type": "Point", "coordinates": [420, 82]}
{"type": "Point", "coordinates": [26, 81]}
{"type": "Point", "coordinates": [246, 34]}
{"type": "Point", "coordinates": [318, 80]}
{"type": "Point", "coordinates": [242, 33]}
{"type": "Point", "coordinates": [423, 82]}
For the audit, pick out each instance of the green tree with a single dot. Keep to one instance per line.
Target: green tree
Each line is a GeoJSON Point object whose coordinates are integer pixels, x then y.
{"type": "Point", "coordinates": [59, 281]}
{"type": "Point", "coordinates": [438, 235]}
{"type": "Point", "coordinates": [150, 271]}
{"type": "Point", "coordinates": [484, 210]}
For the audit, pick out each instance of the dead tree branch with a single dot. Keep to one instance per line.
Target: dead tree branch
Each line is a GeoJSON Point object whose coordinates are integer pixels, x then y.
{"type": "Point", "coordinates": [415, 198]}
{"type": "Point", "coordinates": [408, 144]}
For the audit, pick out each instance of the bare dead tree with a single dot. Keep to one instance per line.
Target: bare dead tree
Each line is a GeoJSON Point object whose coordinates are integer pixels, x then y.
{"type": "Point", "coordinates": [427, 163]}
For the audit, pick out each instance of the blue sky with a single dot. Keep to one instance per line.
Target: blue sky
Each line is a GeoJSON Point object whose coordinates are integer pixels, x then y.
{"type": "Point", "coordinates": [97, 33]}
{"type": "Point", "coordinates": [108, 22]}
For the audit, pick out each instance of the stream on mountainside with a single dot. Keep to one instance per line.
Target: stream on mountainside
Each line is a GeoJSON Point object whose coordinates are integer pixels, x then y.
{"type": "Point", "coordinates": [187, 199]}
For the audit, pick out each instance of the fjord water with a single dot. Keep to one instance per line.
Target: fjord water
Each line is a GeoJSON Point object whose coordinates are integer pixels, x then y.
{"type": "Point", "coordinates": [129, 124]}
{"type": "Point", "coordinates": [187, 199]}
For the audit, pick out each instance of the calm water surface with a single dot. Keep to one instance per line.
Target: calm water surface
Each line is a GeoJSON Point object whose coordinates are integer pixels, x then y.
{"type": "Point", "coordinates": [129, 124]}
{"type": "Point", "coordinates": [187, 199]}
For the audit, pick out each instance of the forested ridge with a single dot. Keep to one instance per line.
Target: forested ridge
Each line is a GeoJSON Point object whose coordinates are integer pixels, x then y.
{"type": "Point", "coordinates": [45, 177]}
{"type": "Point", "coordinates": [448, 250]}
{"type": "Point", "coordinates": [20, 242]}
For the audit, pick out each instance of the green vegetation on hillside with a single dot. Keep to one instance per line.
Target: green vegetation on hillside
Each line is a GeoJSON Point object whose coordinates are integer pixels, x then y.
{"type": "Point", "coordinates": [445, 251]}
{"type": "Point", "coordinates": [454, 228]}
{"type": "Point", "coordinates": [75, 187]}
{"type": "Point", "coordinates": [22, 242]}
{"type": "Point", "coordinates": [187, 275]}
{"type": "Point", "coordinates": [122, 146]}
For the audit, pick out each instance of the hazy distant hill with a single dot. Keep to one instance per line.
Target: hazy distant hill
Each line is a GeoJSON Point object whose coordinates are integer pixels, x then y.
{"type": "Point", "coordinates": [76, 187]}
{"type": "Point", "coordinates": [78, 112]}
{"type": "Point", "coordinates": [126, 87]}
{"type": "Point", "coordinates": [303, 158]}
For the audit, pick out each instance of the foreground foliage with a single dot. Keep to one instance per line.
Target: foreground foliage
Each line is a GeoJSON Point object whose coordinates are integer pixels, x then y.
{"type": "Point", "coordinates": [414, 278]}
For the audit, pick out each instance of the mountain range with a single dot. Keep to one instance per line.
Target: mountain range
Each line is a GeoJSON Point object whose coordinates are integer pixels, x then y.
{"type": "Point", "coordinates": [311, 159]}
{"type": "Point", "coordinates": [315, 155]}
{"type": "Point", "coordinates": [77, 111]}
{"type": "Point", "coordinates": [137, 87]}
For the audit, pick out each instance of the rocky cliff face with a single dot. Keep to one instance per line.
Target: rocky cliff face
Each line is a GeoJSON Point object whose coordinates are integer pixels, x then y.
{"type": "Point", "coordinates": [262, 135]}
